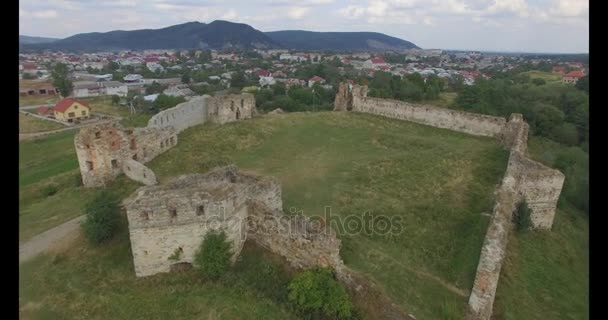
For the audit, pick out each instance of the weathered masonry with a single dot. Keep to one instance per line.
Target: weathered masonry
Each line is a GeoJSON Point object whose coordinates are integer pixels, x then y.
{"type": "Point", "coordinates": [524, 178]}
{"type": "Point", "coordinates": [167, 223]}
{"type": "Point", "coordinates": [104, 151]}
{"type": "Point", "coordinates": [107, 150]}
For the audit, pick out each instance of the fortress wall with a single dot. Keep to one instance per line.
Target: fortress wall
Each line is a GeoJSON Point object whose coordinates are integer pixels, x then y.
{"type": "Point", "coordinates": [471, 123]}
{"type": "Point", "coordinates": [183, 116]}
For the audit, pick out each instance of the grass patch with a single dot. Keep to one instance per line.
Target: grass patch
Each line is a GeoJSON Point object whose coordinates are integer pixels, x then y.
{"type": "Point", "coordinates": [104, 105]}
{"type": "Point", "coordinates": [28, 124]}
{"type": "Point", "coordinates": [46, 157]}
{"type": "Point", "coordinates": [41, 100]}
{"type": "Point", "coordinates": [446, 99]}
{"type": "Point", "coordinates": [549, 77]}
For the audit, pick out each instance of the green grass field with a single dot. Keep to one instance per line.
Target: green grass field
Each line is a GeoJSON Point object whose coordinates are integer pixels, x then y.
{"type": "Point", "coordinates": [29, 124]}
{"type": "Point", "coordinates": [104, 105]}
{"type": "Point", "coordinates": [37, 100]}
{"type": "Point", "coordinates": [550, 78]}
{"type": "Point", "coordinates": [438, 182]}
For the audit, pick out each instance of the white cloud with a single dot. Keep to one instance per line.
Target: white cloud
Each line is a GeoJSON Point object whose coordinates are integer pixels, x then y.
{"type": "Point", "coordinates": [297, 12]}
{"type": "Point", "coordinates": [229, 15]}
{"type": "Point", "coordinates": [570, 8]}
{"type": "Point", "coordinates": [43, 14]}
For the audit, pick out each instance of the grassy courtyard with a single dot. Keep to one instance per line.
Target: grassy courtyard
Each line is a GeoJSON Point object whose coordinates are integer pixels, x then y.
{"type": "Point", "coordinates": [438, 182]}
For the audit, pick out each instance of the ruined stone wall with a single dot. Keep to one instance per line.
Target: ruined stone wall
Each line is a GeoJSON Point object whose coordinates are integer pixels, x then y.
{"type": "Point", "coordinates": [100, 151]}
{"type": "Point", "coordinates": [303, 242]}
{"type": "Point", "coordinates": [471, 123]}
{"type": "Point", "coordinates": [183, 116]}
{"type": "Point", "coordinates": [170, 218]}
{"type": "Point", "coordinates": [138, 172]}
{"type": "Point", "coordinates": [231, 107]}
{"type": "Point", "coordinates": [103, 149]}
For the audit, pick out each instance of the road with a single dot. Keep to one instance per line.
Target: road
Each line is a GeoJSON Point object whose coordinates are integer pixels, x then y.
{"type": "Point", "coordinates": [50, 239]}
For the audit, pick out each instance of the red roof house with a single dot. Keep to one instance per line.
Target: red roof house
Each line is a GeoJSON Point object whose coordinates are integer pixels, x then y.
{"type": "Point", "coordinates": [559, 69]}
{"type": "Point", "coordinates": [64, 104]}
{"type": "Point", "coordinates": [378, 60]}
{"type": "Point", "coordinates": [572, 76]}
{"type": "Point", "coordinates": [44, 111]}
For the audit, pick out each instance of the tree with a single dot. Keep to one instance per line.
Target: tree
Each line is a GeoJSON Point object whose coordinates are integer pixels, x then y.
{"type": "Point", "coordinates": [61, 80]}
{"type": "Point", "coordinates": [155, 87]}
{"type": "Point", "coordinates": [185, 78]}
{"type": "Point", "coordinates": [238, 80]}
{"type": "Point", "coordinates": [583, 84]}
{"type": "Point", "coordinates": [164, 101]}
{"type": "Point", "coordinates": [522, 216]}
{"type": "Point", "coordinates": [213, 257]}
{"type": "Point", "coordinates": [538, 81]}
{"type": "Point", "coordinates": [102, 218]}
{"type": "Point", "coordinates": [115, 100]}
{"type": "Point", "coordinates": [316, 292]}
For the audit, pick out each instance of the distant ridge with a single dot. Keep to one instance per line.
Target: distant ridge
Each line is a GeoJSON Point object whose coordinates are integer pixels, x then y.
{"type": "Point", "coordinates": [309, 40]}
{"type": "Point", "coordinates": [218, 34]}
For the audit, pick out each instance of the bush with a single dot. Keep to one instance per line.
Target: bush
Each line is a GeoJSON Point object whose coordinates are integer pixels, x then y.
{"type": "Point", "coordinates": [102, 218]}
{"type": "Point", "coordinates": [49, 190]}
{"type": "Point", "coordinates": [214, 255]}
{"type": "Point", "coordinates": [522, 216]}
{"type": "Point", "coordinates": [317, 293]}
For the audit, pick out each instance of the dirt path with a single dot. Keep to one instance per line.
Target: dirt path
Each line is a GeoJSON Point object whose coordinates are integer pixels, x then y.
{"type": "Point", "coordinates": [34, 135]}
{"type": "Point", "coordinates": [50, 239]}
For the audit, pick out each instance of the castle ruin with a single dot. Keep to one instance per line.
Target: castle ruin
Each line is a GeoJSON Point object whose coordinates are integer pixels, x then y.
{"type": "Point", "coordinates": [105, 151]}
{"type": "Point", "coordinates": [167, 223]}
{"type": "Point", "coordinates": [524, 178]}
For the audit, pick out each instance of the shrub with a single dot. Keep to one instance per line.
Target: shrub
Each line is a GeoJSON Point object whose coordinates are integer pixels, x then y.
{"type": "Point", "coordinates": [522, 216]}
{"type": "Point", "coordinates": [102, 218]}
{"type": "Point", "coordinates": [317, 293]}
{"type": "Point", "coordinates": [49, 190]}
{"type": "Point", "coordinates": [214, 255]}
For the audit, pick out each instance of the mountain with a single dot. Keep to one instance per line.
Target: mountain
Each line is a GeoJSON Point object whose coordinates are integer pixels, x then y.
{"type": "Point", "coordinates": [219, 35]}
{"type": "Point", "coordinates": [29, 40]}
{"type": "Point", "coordinates": [215, 35]}
{"type": "Point", "coordinates": [308, 40]}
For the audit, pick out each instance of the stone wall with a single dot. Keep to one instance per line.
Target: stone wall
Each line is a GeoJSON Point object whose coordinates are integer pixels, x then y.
{"type": "Point", "coordinates": [198, 110]}
{"type": "Point", "coordinates": [183, 116]}
{"type": "Point", "coordinates": [174, 218]}
{"type": "Point", "coordinates": [524, 178]}
{"type": "Point", "coordinates": [139, 172]}
{"type": "Point", "coordinates": [471, 123]}
{"type": "Point", "coordinates": [102, 149]}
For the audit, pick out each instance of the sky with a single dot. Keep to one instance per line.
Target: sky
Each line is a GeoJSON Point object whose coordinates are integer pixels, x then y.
{"type": "Point", "coordinates": [547, 26]}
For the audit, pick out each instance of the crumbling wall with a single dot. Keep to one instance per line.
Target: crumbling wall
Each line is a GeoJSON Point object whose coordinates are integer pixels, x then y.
{"type": "Point", "coordinates": [103, 149]}
{"type": "Point", "coordinates": [174, 217]}
{"type": "Point", "coordinates": [231, 107]}
{"type": "Point", "coordinates": [183, 116]}
{"type": "Point", "coordinates": [471, 123]}
{"type": "Point", "coordinates": [100, 151]}
{"type": "Point", "coordinates": [138, 172]}
{"type": "Point", "coordinates": [344, 98]}
{"type": "Point", "coordinates": [303, 242]}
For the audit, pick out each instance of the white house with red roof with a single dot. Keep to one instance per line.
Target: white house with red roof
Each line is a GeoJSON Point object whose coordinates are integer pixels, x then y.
{"type": "Point", "coordinates": [374, 63]}
{"type": "Point", "coordinates": [315, 79]}
{"type": "Point", "coordinates": [572, 77]}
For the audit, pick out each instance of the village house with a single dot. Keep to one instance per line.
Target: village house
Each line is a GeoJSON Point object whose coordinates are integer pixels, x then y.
{"type": "Point", "coordinates": [374, 63]}
{"type": "Point", "coordinates": [572, 77]}
{"type": "Point", "coordinates": [35, 89]}
{"type": "Point", "coordinates": [71, 110]}
{"type": "Point", "coordinates": [558, 69]}
{"type": "Point", "coordinates": [315, 79]}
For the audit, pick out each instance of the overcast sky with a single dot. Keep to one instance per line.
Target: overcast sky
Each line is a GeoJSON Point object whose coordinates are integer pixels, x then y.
{"type": "Point", "coordinates": [497, 25]}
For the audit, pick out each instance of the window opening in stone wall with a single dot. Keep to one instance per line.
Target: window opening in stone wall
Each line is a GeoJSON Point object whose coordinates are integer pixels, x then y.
{"type": "Point", "coordinates": [200, 210]}
{"type": "Point", "coordinates": [242, 103]}
{"type": "Point", "coordinates": [133, 144]}
{"type": "Point", "coordinates": [97, 135]}
{"type": "Point", "coordinates": [162, 144]}
{"type": "Point", "coordinates": [89, 165]}
{"type": "Point", "coordinates": [232, 106]}
{"type": "Point", "coordinates": [114, 163]}
{"type": "Point", "coordinates": [88, 146]}
{"type": "Point", "coordinates": [145, 215]}
{"type": "Point", "coordinates": [173, 213]}
{"type": "Point", "coordinates": [172, 139]}
{"type": "Point", "coordinates": [145, 152]}
{"type": "Point", "coordinates": [238, 113]}
{"type": "Point", "coordinates": [144, 174]}
{"type": "Point", "coordinates": [135, 157]}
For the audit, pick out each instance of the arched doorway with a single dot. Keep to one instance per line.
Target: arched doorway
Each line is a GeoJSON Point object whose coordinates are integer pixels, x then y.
{"type": "Point", "coordinates": [238, 113]}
